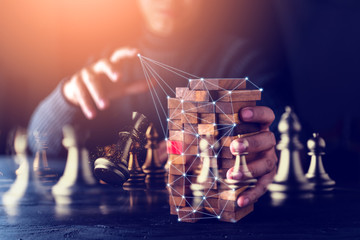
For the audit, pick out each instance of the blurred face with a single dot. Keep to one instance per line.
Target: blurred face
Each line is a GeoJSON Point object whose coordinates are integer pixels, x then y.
{"type": "Point", "coordinates": [167, 17]}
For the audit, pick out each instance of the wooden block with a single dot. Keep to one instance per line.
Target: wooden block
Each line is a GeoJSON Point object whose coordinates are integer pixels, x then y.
{"type": "Point", "coordinates": [212, 193]}
{"type": "Point", "coordinates": [230, 216]}
{"type": "Point", "coordinates": [175, 113]}
{"type": "Point", "coordinates": [180, 104]}
{"type": "Point", "coordinates": [189, 117]}
{"type": "Point", "coordinates": [205, 129]}
{"type": "Point", "coordinates": [180, 191]}
{"type": "Point", "coordinates": [218, 84]}
{"type": "Point", "coordinates": [229, 119]}
{"type": "Point", "coordinates": [190, 150]}
{"type": "Point", "coordinates": [192, 95]}
{"type": "Point", "coordinates": [205, 107]}
{"type": "Point", "coordinates": [187, 214]}
{"type": "Point", "coordinates": [179, 201]}
{"type": "Point", "coordinates": [177, 159]}
{"type": "Point", "coordinates": [211, 203]}
{"type": "Point", "coordinates": [225, 153]}
{"type": "Point", "coordinates": [177, 169]}
{"type": "Point", "coordinates": [190, 139]}
{"type": "Point", "coordinates": [173, 210]}
{"type": "Point", "coordinates": [174, 147]}
{"type": "Point", "coordinates": [207, 118]}
{"type": "Point", "coordinates": [228, 205]}
{"type": "Point", "coordinates": [232, 195]}
{"type": "Point", "coordinates": [186, 138]}
{"type": "Point", "coordinates": [227, 162]}
{"type": "Point", "coordinates": [176, 135]}
{"type": "Point", "coordinates": [175, 124]}
{"type": "Point", "coordinates": [191, 128]}
{"type": "Point", "coordinates": [226, 140]}
{"type": "Point", "coordinates": [232, 107]}
{"type": "Point", "coordinates": [215, 211]}
{"type": "Point", "coordinates": [239, 95]}
{"type": "Point", "coordinates": [174, 103]}
{"type": "Point", "coordinates": [178, 180]}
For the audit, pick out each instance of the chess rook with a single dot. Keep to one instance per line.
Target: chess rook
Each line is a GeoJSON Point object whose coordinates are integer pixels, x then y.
{"type": "Point", "coordinates": [202, 122]}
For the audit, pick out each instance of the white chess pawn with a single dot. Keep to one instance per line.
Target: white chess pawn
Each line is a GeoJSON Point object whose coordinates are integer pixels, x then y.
{"type": "Point", "coordinates": [77, 179]}
{"type": "Point", "coordinates": [25, 190]}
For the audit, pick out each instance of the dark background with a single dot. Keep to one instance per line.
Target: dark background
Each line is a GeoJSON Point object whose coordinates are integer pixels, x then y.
{"type": "Point", "coordinates": [314, 42]}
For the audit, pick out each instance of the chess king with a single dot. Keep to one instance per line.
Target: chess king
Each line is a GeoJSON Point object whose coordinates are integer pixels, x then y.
{"type": "Point", "coordinates": [102, 96]}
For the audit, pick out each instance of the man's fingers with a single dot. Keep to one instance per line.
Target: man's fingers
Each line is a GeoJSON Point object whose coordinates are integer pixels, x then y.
{"type": "Point", "coordinates": [95, 88]}
{"type": "Point", "coordinates": [259, 142]}
{"type": "Point", "coordinates": [123, 53]}
{"type": "Point", "coordinates": [259, 114]}
{"type": "Point", "coordinates": [83, 98]}
{"type": "Point", "coordinates": [130, 89]}
{"type": "Point", "coordinates": [252, 195]}
{"type": "Point", "coordinates": [105, 67]}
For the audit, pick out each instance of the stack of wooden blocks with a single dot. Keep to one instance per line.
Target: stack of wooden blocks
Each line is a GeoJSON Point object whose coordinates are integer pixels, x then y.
{"type": "Point", "coordinates": [208, 109]}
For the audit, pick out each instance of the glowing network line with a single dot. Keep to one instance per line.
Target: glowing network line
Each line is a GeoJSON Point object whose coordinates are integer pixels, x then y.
{"type": "Point", "coordinates": [152, 75]}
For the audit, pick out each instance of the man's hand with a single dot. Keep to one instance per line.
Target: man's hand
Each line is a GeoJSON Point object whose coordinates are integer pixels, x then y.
{"type": "Point", "coordinates": [262, 144]}
{"type": "Point", "coordinates": [93, 87]}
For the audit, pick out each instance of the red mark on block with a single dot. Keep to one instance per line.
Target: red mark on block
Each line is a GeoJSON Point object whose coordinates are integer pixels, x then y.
{"type": "Point", "coordinates": [174, 147]}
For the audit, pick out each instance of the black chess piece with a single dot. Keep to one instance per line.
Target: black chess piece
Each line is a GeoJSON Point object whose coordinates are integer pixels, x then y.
{"type": "Point", "coordinates": [316, 173]}
{"type": "Point", "coordinates": [137, 176]}
{"type": "Point", "coordinates": [290, 180]}
{"type": "Point", "coordinates": [78, 181]}
{"type": "Point", "coordinates": [155, 172]}
{"type": "Point", "coordinates": [114, 169]}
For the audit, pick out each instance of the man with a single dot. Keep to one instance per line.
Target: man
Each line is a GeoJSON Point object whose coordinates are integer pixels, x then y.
{"type": "Point", "coordinates": [100, 97]}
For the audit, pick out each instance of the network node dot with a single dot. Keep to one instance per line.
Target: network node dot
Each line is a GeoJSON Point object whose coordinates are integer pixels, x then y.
{"type": "Point", "coordinates": [234, 124]}
{"type": "Point", "coordinates": [233, 189]}
{"type": "Point", "coordinates": [218, 217]}
{"type": "Point", "coordinates": [260, 89]}
{"type": "Point", "coordinates": [182, 154]}
{"type": "Point", "coordinates": [216, 178]}
{"type": "Point", "coordinates": [214, 103]}
{"type": "Point", "coordinates": [182, 111]}
{"type": "Point", "coordinates": [214, 124]}
{"type": "Point", "coordinates": [184, 174]}
{"type": "Point", "coordinates": [211, 146]}
{"type": "Point", "coordinates": [246, 78]}
{"type": "Point", "coordinates": [168, 97]}
{"type": "Point", "coordinates": [197, 135]}
{"type": "Point", "coordinates": [139, 55]}
{"type": "Point", "coordinates": [229, 92]}
{"type": "Point", "coordinates": [215, 156]}
{"type": "Point", "coordinates": [204, 197]}
{"type": "Point", "coordinates": [168, 185]}
{"type": "Point", "coordinates": [182, 131]}
{"type": "Point", "coordinates": [177, 209]}
{"type": "Point", "coordinates": [201, 79]}
{"type": "Point", "coordinates": [182, 100]}
{"type": "Point", "coordinates": [198, 155]}
{"type": "Point", "coordinates": [194, 210]}
{"type": "Point", "coordinates": [189, 80]}
{"type": "Point", "coordinates": [166, 139]}
{"type": "Point", "coordinates": [183, 196]}
{"type": "Point", "coordinates": [179, 219]}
